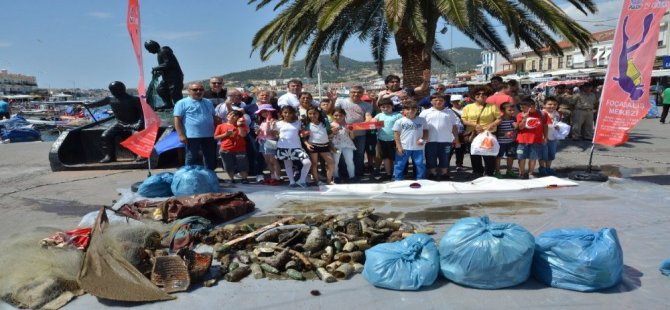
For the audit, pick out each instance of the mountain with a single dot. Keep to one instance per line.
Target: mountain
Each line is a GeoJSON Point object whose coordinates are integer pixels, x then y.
{"type": "Point", "coordinates": [463, 58]}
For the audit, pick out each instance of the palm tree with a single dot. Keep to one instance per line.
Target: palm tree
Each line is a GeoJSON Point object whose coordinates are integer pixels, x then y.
{"type": "Point", "coordinates": [325, 25]}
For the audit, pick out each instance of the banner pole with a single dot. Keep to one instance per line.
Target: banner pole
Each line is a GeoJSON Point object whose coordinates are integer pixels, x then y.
{"type": "Point", "coordinates": [589, 166]}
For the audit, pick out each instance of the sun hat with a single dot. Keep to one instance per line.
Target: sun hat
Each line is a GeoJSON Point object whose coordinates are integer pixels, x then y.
{"type": "Point", "coordinates": [264, 107]}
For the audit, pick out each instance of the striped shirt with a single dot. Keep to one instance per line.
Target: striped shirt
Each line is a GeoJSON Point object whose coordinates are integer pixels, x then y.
{"type": "Point", "coordinates": [506, 132]}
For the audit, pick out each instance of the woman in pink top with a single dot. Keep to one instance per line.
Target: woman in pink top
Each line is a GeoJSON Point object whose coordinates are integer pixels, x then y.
{"type": "Point", "coordinates": [267, 140]}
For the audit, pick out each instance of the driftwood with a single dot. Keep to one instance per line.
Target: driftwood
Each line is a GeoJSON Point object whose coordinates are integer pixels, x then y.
{"type": "Point", "coordinates": [300, 256]}
{"type": "Point", "coordinates": [259, 231]}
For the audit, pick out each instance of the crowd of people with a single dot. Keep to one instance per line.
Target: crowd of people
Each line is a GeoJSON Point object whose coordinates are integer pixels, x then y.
{"type": "Point", "coordinates": [374, 136]}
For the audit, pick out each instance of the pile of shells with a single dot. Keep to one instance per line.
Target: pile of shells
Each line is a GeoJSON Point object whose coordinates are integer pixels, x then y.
{"type": "Point", "coordinates": [330, 247]}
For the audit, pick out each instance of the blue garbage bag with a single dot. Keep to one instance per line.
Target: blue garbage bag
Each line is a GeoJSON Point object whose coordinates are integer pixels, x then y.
{"type": "Point", "coordinates": [482, 254]}
{"type": "Point", "coordinates": [157, 185]}
{"type": "Point", "coordinates": [578, 259]}
{"type": "Point", "coordinates": [665, 267]}
{"type": "Point", "coordinates": [407, 264]}
{"type": "Point", "coordinates": [191, 180]}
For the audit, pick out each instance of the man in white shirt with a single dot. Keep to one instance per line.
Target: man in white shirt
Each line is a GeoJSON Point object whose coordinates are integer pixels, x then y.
{"type": "Point", "coordinates": [442, 132]}
{"type": "Point", "coordinates": [234, 102]}
{"type": "Point", "coordinates": [292, 96]}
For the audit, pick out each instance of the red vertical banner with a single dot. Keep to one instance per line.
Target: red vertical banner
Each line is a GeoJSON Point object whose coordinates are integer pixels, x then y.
{"type": "Point", "coordinates": [142, 142]}
{"type": "Point", "coordinates": [625, 94]}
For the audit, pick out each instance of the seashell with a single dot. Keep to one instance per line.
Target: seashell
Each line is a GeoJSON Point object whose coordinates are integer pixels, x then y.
{"type": "Point", "coordinates": [233, 266]}
{"type": "Point", "coordinates": [209, 283]}
{"type": "Point", "coordinates": [332, 266]}
{"type": "Point", "coordinates": [358, 267]}
{"type": "Point", "coordinates": [238, 274]}
{"type": "Point", "coordinates": [243, 257]}
{"type": "Point", "coordinates": [344, 271]}
{"type": "Point", "coordinates": [257, 271]}
{"type": "Point", "coordinates": [292, 265]}
{"type": "Point", "coordinates": [349, 247]}
{"type": "Point", "coordinates": [295, 275]}
{"type": "Point", "coordinates": [316, 240]}
{"type": "Point", "coordinates": [356, 257]}
{"type": "Point", "coordinates": [229, 228]}
{"type": "Point", "coordinates": [353, 227]}
{"type": "Point", "coordinates": [425, 230]}
{"type": "Point", "coordinates": [324, 275]}
{"type": "Point", "coordinates": [342, 257]}
{"type": "Point", "coordinates": [267, 268]}
{"type": "Point", "coordinates": [279, 260]}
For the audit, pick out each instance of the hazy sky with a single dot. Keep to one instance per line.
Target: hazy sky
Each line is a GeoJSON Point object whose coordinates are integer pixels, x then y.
{"type": "Point", "coordinates": [85, 44]}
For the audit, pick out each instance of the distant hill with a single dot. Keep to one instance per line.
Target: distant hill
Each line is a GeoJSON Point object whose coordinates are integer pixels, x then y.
{"type": "Point", "coordinates": [463, 58]}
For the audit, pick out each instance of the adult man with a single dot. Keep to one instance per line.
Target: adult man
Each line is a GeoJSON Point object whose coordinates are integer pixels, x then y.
{"type": "Point", "coordinates": [495, 82]}
{"type": "Point", "coordinates": [291, 97]}
{"type": "Point", "coordinates": [582, 116]}
{"type": "Point", "coordinates": [502, 95]}
{"type": "Point", "coordinates": [169, 89]}
{"type": "Point", "coordinates": [442, 132]}
{"type": "Point", "coordinates": [194, 123]}
{"type": "Point", "coordinates": [666, 104]}
{"type": "Point", "coordinates": [357, 111]}
{"type": "Point", "coordinates": [128, 113]}
{"type": "Point", "coordinates": [4, 109]}
{"type": "Point", "coordinates": [566, 103]}
{"type": "Point", "coordinates": [216, 93]}
{"type": "Point", "coordinates": [397, 93]}
{"type": "Point", "coordinates": [234, 102]}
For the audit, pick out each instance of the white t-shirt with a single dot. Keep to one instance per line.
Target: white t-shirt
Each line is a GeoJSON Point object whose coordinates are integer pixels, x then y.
{"type": "Point", "coordinates": [289, 135]}
{"type": "Point", "coordinates": [288, 99]}
{"type": "Point", "coordinates": [318, 133]}
{"type": "Point", "coordinates": [411, 130]}
{"type": "Point", "coordinates": [342, 140]}
{"type": "Point", "coordinates": [440, 124]}
{"type": "Point", "coordinates": [221, 110]}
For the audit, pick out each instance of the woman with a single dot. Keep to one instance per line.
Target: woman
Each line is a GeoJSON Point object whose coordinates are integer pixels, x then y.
{"type": "Point", "coordinates": [479, 117]}
{"type": "Point", "coordinates": [305, 99]}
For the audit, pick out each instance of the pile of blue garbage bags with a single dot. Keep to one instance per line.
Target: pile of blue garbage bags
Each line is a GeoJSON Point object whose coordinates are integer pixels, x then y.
{"type": "Point", "coordinates": [478, 253]}
{"type": "Point", "coordinates": [188, 180]}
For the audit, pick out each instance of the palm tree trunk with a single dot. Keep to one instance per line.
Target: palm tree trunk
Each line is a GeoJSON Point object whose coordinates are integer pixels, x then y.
{"type": "Point", "coordinates": [414, 55]}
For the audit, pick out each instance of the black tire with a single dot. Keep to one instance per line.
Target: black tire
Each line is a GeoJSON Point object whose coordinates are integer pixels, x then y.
{"type": "Point", "coordinates": [588, 176]}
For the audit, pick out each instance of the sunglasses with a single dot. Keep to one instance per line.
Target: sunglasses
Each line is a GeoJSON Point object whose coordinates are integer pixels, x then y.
{"type": "Point", "coordinates": [215, 83]}
{"type": "Point", "coordinates": [197, 89]}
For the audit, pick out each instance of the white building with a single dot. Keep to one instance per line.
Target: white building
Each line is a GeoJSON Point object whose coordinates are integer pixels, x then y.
{"type": "Point", "coordinates": [13, 83]}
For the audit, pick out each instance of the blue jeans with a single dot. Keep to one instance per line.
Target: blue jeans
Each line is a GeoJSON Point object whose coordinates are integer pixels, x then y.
{"type": "Point", "coordinates": [401, 161]}
{"type": "Point", "coordinates": [359, 154]}
{"type": "Point", "coordinates": [549, 150]}
{"type": "Point", "coordinates": [437, 155]}
{"type": "Point", "coordinates": [194, 147]}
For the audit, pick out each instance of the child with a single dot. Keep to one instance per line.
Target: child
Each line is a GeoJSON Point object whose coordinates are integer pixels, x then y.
{"type": "Point", "coordinates": [318, 144]}
{"type": "Point", "coordinates": [385, 135]}
{"type": "Point", "coordinates": [327, 107]}
{"type": "Point", "coordinates": [441, 125]}
{"type": "Point", "coordinates": [233, 145]}
{"type": "Point", "coordinates": [343, 143]}
{"type": "Point", "coordinates": [410, 135]}
{"type": "Point", "coordinates": [552, 116]}
{"type": "Point", "coordinates": [267, 141]}
{"type": "Point", "coordinates": [289, 147]}
{"type": "Point", "coordinates": [530, 137]}
{"type": "Point", "coordinates": [506, 135]}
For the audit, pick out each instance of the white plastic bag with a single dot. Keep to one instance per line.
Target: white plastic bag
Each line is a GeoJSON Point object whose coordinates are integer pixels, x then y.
{"type": "Point", "coordinates": [562, 132]}
{"type": "Point", "coordinates": [270, 144]}
{"type": "Point", "coordinates": [485, 144]}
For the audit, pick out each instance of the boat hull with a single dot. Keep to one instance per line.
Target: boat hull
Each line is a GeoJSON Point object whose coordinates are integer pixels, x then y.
{"type": "Point", "coordinates": [80, 149]}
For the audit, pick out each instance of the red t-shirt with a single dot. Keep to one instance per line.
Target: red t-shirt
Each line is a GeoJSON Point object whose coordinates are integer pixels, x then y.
{"type": "Point", "coordinates": [236, 143]}
{"type": "Point", "coordinates": [533, 131]}
{"type": "Point", "coordinates": [499, 98]}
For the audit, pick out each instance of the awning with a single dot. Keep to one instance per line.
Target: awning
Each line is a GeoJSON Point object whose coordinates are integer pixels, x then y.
{"type": "Point", "coordinates": [600, 53]}
{"type": "Point", "coordinates": [564, 82]}
{"type": "Point", "coordinates": [607, 54]}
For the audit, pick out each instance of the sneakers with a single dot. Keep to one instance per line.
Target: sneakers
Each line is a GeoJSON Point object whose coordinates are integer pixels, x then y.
{"type": "Point", "coordinates": [541, 171]}
{"type": "Point", "coordinates": [293, 185]}
{"type": "Point", "coordinates": [524, 176]}
{"type": "Point", "coordinates": [302, 184]}
{"type": "Point", "coordinates": [244, 181]}
{"type": "Point", "coordinates": [272, 182]}
{"type": "Point", "coordinates": [260, 178]}
{"type": "Point", "coordinates": [445, 177]}
{"type": "Point", "coordinates": [498, 175]}
{"type": "Point", "coordinates": [511, 175]}
{"type": "Point", "coordinates": [460, 168]}
{"type": "Point", "coordinates": [550, 171]}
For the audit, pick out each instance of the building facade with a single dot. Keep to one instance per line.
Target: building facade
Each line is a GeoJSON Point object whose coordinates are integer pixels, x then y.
{"type": "Point", "coordinates": [14, 84]}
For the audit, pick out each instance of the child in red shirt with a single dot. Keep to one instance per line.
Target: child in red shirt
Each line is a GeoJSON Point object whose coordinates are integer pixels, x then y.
{"type": "Point", "coordinates": [233, 145]}
{"type": "Point", "coordinates": [531, 135]}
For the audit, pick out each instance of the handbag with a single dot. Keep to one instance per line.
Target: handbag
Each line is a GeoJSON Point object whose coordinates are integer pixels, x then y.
{"type": "Point", "coordinates": [471, 136]}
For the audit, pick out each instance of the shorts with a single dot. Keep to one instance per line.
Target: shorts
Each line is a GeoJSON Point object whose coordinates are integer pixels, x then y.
{"type": "Point", "coordinates": [529, 151]}
{"type": "Point", "coordinates": [234, 162]}
{"type": "Point", "coordinates": [266, 150]}
{"type": "Point", "coordinates": [291, 154]}
{"type": "Point", "coordinates": [507, 150]}
{"type": "Point", "coordinates": [370, 141]}
{"type": "Point", "coordinates": [319, 148]}
{"type": "Point", "coordinates": [387, 149]}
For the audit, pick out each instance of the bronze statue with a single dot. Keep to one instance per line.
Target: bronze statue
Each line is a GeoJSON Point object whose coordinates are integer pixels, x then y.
{"type": "Point", "coordinates": [128, 112]}
{"type": "Point", "coordinates": [169, 89]}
